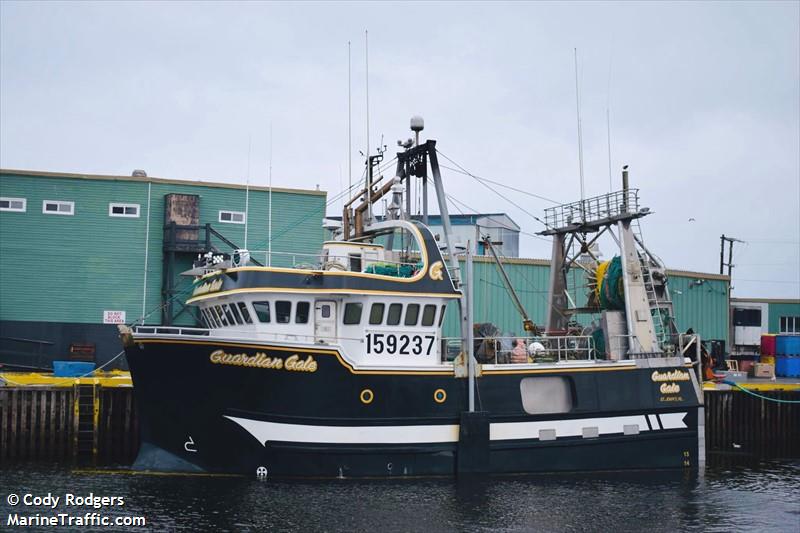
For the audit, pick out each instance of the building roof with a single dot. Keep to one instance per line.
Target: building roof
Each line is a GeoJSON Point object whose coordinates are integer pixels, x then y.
{"type": "Point", "coordinates": [767, 300]}
{"type": "Point", "coordinates": [149, 179]}
{"type": "Point", "coordinates": [468, 219]}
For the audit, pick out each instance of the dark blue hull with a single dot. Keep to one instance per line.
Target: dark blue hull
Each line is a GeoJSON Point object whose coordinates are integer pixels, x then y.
{"type": "Point", "coordinates": [250, 414]}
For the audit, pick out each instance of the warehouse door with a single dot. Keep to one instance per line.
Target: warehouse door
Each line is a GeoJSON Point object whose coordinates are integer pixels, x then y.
{"type": "Point", "coordinates": [325, 321]}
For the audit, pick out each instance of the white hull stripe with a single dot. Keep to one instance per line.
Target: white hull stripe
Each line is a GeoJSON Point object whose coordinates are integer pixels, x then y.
{"type": "Point", "coordinates": [265, 431]}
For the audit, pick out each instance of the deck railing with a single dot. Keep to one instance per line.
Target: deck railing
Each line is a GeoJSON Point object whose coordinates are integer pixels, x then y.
{"type": "Point", "coordinates": [539, 349]}
{"type": "Point", "coordinates": [605, 206]}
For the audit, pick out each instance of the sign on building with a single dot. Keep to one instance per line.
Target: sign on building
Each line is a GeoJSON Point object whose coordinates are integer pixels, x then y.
{"type": "Point", "coordinates": [113, 317]}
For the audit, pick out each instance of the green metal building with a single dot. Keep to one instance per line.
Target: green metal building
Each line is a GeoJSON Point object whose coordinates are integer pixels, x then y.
{"type": "Point", "coordinates": [81, 252]}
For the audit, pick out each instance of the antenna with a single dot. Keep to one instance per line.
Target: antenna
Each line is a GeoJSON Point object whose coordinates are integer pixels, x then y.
{"type": "Point", "coordinates": [349, 126]}
{"type": "Point", "coordinates": [269, 220]}
{"type": "Point", "coordinates": [608, 118]}
{"type": "Point", "coordinates": [580, 135]}
{"type": "Point", "coordinates": [368, 188]}
{"type": "Point", "coordinates": [247, 189]}
{"type": "Point", "coordinates": [366, 52]}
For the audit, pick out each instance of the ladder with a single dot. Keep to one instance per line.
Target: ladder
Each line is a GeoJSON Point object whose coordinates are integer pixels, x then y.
{"type": "Point", "coordinates": [86, 416]}
{"type": "Point", "coordinates": [657, 306]}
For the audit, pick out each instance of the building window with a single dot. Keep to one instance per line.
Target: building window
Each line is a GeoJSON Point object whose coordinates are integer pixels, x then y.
{"type": "Point", "coordinates": [428, 315]}
{"type": "Point", "coordinates": [262, 311]}
{"type": "Point", "coordinates": [19, 205]}
{"type": "Point", "coordinates": [393, 317]}
{"type": "Point", "coordinates": [301, 313]}
{"type": "Point", "coordinates": [376, 314]}
{"type": "Point", "coordinates": [57, 207]}
{"type": "Point", "coordinates": [231, 217]}
{"type": "Point", "coordinates": [352, 314]}
{"type": "Point", "coordinates": [123, 210]}
{"type": "Point", "coordinates": [790, 324]}
{"type": "Point", "coordinates": [283, 312]}
{"type": "Point", "coordinates": [412, 314]}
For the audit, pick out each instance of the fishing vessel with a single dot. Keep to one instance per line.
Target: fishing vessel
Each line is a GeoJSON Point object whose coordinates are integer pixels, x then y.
{"type": "Point", "coordinates": [337, 367]}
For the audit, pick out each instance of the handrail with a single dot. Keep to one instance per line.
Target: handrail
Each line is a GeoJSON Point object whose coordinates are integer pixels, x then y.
{"type": "Point", "coordinates": [604, 206]}
{"type": "Point", "coordinates": [539, 349]}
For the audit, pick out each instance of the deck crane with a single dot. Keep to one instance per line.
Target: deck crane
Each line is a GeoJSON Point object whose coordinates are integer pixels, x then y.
{"type": "Point", "coordinates": [527, 323]}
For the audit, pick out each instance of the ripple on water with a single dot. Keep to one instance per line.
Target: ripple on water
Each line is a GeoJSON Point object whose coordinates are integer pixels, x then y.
{"type": "Point", "coordinates": [763, 497]}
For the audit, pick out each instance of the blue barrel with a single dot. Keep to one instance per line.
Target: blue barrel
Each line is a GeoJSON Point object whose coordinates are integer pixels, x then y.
{"type": "Point", "coordinates": [787, 345]}
{"type": "Point", "coordinates": [72, 369]}
{"type": "Point", "coordinates": [781, 365]}
{"type": "Point", "coordinates": [792, 366]}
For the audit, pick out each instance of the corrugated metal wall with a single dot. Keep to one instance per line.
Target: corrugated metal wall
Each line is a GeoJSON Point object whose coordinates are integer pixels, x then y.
{"type": "Point", "coordinates": [777, 310]}
{"type": "Point", "coordinates": [61, 268]}
{"type": "Point", "coordinates": [700, 300]}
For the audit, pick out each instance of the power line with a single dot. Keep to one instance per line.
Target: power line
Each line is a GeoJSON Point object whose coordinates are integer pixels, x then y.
{"type": "Point", "coordinates": [454, 199]}
{"type": "Point", "coordinates": [497, 183]}
{"type": "Point", "coordinates": [482, 182]}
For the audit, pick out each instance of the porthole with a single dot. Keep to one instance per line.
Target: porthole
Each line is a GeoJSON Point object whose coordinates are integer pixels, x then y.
{"type": "Point", "coordinates": [439, 396]}
{"type": "Point", "coordinates": [367, 396]}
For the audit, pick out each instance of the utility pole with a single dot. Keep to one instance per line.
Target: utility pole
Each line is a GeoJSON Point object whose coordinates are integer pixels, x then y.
{"type": "Point", "coordinates": [730, 240]}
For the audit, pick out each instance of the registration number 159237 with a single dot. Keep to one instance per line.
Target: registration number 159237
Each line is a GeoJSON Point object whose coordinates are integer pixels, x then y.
{"type": "Point", "coordinates": [399, 343]}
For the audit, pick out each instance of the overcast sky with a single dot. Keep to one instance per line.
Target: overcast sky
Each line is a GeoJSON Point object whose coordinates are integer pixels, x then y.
{"type": "Point", "coordinates": [703, 98]}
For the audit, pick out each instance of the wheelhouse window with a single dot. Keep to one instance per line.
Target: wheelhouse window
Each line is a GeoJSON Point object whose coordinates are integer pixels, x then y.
{"type": "Point", "coordinates": [376, 313]}
{"type": "Point", "coordinates": [301, 312]}
{"type": "Point", "coordinates": [355, 262]}
{"type": "Point", "coordinates": [352, 313]}
{"type": "Point", "coordinates": [221, 315]}
{"type": "Point", "coordinates": [412, 315]}
{"type": "Point", "coordinates": [235, 312]}
{"type": "Point", "coordinates": [213, 317]}
{"type": "Point", "coordinates": [393, 317]}
{"type": "Point", "coordinates": [428, 315]}
{"type": "Point", "coordinates": [262, 311]}
{"type": "Point", "coordinates": [206, 320]}
{"type": "Point", "coordinates": [245, 313]}
{"type": "Point", "coordinates": [20, 205]}
{"type": "Point", "coordinates": [283, 312]}
{"type": "Point", "coordinates": [123, 210]}
{"type": "Point", "coordinates": [441, 315]}
{"type": "Point", "coordinates": [229, 314]}
{"type": "Point", "coordinates": [231, 217]}
{"type": "Point", "coordinates": [58, 207]}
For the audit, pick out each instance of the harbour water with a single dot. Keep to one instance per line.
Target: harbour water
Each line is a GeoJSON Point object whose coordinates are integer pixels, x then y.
{"type": "Point", "coordinates": [729, 496]}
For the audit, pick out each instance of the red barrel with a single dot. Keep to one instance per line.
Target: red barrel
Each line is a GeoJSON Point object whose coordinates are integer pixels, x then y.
{"type": "Point", "coordinates": [768, 344]}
